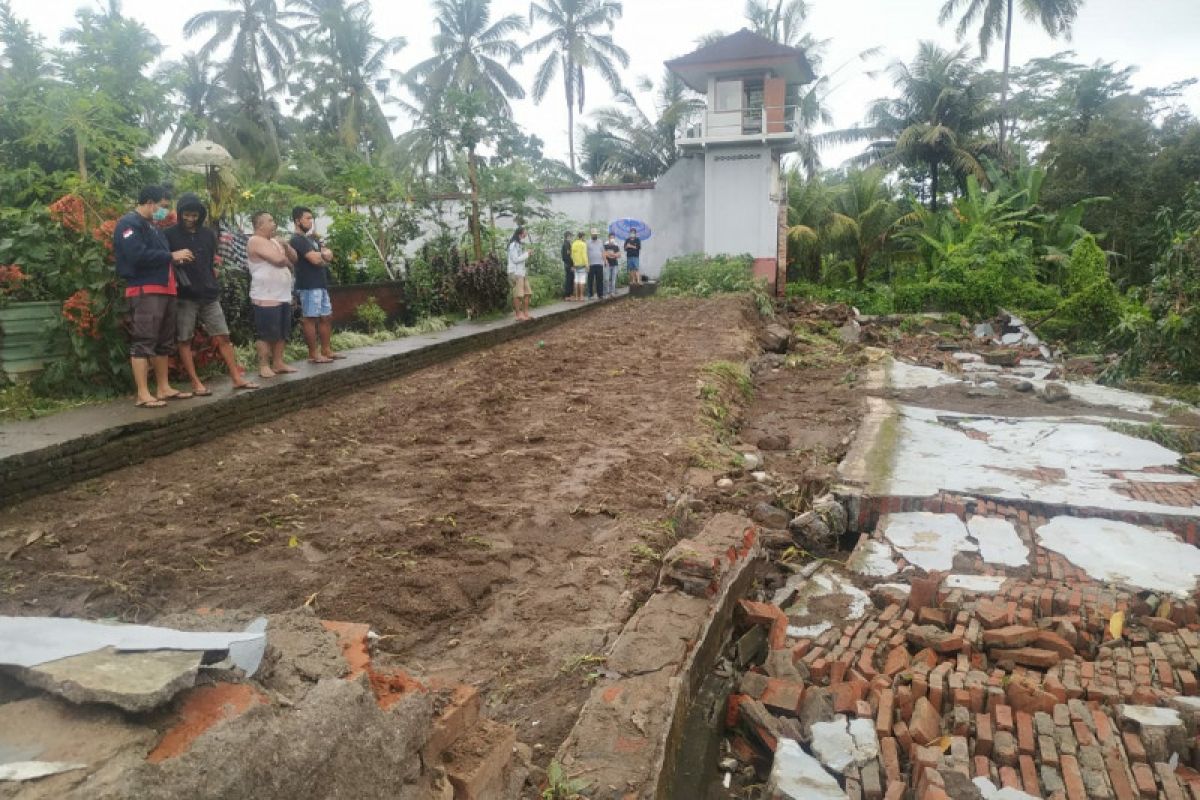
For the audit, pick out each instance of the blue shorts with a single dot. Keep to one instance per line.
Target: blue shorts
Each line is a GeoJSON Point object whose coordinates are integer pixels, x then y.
{"type": "Point", "coordinates": [315, 303]}
{"type": "Point", "coordinates": [634, 262]}
{"type": "Point", "coordinates": [273, 323]}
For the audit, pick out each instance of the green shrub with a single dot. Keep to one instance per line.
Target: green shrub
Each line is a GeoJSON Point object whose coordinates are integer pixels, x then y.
{"type": "Point", "coordinates": [482, 287]}
{"type": "Point", "coordinates": [371, 316]}
{"type": "Point", "coordinates": [872, 299]}
{"type": "Point", "coordinates": [1093, 305]}
{"type": "Point", "coordinates": [698, 275]}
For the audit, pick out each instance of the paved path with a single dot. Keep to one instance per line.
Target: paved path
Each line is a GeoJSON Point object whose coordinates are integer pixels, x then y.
{"type": "Point", "coordinates": [42, 454]}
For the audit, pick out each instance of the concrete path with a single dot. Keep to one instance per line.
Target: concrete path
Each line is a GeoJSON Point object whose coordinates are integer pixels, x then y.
{"type": "Point", "coordinates": [43, 454]}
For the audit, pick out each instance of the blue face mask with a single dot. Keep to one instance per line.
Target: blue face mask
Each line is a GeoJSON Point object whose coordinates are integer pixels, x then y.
{"type": "Point", "coordinates": [160, 214]}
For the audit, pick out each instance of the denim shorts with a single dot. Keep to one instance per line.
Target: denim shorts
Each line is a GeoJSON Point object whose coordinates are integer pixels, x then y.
{"type": "Point", "coordinates": [273, 323]}
{"type": "Point", "coordinates": [634, 262]}
{"type": "Point", "coordinates": [315, 303]}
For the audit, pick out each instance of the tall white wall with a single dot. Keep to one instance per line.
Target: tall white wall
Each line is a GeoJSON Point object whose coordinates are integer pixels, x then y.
{"type": "Point", "coordinates": [673, 208]}
{"type": "Point", "coordinates": [740, 213]}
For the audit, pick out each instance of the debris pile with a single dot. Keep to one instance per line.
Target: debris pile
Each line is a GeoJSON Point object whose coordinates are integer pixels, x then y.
{"type": "Point", "coordinates": [958, 658]}
{"type": "Point", "coordinates": [292, 706]}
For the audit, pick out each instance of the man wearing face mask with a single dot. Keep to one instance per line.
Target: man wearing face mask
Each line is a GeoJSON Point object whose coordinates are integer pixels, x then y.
{"type": "Point", "coordinates": [145, 262]}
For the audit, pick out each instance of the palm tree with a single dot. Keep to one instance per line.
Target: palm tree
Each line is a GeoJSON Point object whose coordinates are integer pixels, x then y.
{"type": "Point", "coordinates": [347, 77]}
{"type": "Point", "coordinates": [809, 211]}
{"type": "Point", "coordinates": [200, 95]}
{"type": "Point", "coordinates": [1055, 16]}
{"type": "Point", "coordinates": [261, 46]}
{"type": "Point", "coordinates": [466, 52]}
{"type": "Point", "coordinates": [575, 46]}
{"type": "Point", "coordinates": [625, 145]}
{"type": "Point", "coordinates": [784, 24]}
{"type": "Point", "coordinates": [865, 218]}
{"type": "Point", "coordinates": [936, 121]}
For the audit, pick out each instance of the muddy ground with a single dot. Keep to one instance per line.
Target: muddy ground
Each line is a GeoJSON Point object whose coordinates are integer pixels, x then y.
{"type": "Point", "coordinates": [495, 518]}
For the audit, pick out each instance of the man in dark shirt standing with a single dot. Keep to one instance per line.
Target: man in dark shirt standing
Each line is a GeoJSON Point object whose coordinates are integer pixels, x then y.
{"type": "Point", "coordinates": [145, 262]}
{"type": "Point", "coordinates": [312, 284]}
{"type": "Point", "coordinates": [568, 268]}
{"type": "Point", "coordinates": [199, 293]}
{"type": "Point", "coordinates": [633, 257]}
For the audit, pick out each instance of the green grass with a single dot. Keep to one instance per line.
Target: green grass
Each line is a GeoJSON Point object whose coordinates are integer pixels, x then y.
{"type": "Point", "coordinates": [18, 401]}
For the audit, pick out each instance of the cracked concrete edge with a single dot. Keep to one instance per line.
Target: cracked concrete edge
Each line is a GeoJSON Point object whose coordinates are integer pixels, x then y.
{"type": "Point", "coordinates": [608, 770]}
{"type": "Point", "coordinates": [868, 464]}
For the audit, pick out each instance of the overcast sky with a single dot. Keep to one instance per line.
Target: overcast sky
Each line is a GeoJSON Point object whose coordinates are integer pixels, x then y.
{"type": "Point", "coordinates": [1161, 37]}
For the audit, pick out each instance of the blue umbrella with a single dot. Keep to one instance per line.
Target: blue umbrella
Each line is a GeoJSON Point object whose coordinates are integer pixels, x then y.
{"type": "Point", "coordinates": [623, 227]}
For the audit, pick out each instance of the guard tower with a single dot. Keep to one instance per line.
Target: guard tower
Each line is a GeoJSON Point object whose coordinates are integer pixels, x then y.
{"type": "Point", "coordinates": [751, 85]}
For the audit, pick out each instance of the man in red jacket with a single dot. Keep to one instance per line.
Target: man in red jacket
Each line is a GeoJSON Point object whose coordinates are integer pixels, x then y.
{"type": "Point", "coordinates": [144, 261]}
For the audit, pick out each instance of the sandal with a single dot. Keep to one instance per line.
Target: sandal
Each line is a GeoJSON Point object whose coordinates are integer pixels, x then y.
{"type": "Point", "coordinates": [205, 392]}
{"type": "Point", "coordinates": [246, 385]}
{"type": "Point", "coordinates": [178, 396]}
{"type": "Point", "coordinates": [150, 403]}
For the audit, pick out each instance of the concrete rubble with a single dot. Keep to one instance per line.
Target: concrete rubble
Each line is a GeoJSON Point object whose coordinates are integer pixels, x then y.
{"type": "Point", "coordinates": [1032, 627]}
{"type": "Point", "coordinates": [320, 718]}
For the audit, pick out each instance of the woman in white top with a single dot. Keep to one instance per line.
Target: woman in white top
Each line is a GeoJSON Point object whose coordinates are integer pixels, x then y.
{"type": "Point", "coordinates": [518, 254]}
{"type": "Point", "coordinates": [270, 262]}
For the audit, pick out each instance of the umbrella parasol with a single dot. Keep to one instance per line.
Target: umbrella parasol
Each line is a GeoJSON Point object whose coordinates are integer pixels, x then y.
{"type": "Point", "coordinates": [623, 227]}
{"type": "Point", "coordinates": [201, 156]}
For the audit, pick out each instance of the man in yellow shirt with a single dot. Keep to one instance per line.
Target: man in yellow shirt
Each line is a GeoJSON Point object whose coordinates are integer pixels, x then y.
{"type": "Point", "coordinates": [579, 259]}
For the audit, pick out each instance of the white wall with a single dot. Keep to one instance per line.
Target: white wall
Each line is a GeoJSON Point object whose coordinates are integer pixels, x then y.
{"type": "Point", "coordinates": [740, 214]}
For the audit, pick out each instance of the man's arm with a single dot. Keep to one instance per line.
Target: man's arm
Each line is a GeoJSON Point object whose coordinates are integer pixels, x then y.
{"type": "Point", "coordinates": [264, 249]}
{"type": "Point", "coordinates": [138, 250]}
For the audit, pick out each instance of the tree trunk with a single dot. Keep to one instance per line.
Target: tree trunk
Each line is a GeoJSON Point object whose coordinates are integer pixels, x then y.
{"type": "Point", "coordinates": [1004, 80]}
{"type": "Point", "coordinates": [569, 80]}
{"type": "Point", "coordinates": [933, 187]}
{"type": "Point", "coordinates": [81, 153]}
{"type": "Point", "coordinates": [476, 234]}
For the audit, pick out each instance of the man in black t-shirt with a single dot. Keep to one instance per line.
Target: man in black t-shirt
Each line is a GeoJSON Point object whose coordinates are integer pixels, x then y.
{"type": "Point", "coordinates": [312, 284]}
{"type": "Point", "coordinates": [199, 293]}
{"type": "Point", "coordinates": [633, 257]}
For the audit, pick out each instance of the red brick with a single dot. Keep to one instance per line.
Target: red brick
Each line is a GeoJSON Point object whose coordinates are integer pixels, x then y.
{"type": "Point", "coordinates": [1009, 636]}
{"type": "Point", "coordinates": [1072, 780]}
{"type": "Point", "coordinates": [1048, 640]}
{"type": "Point", "coordinates": [889, 753]}
{"type": "Point", "coordinates": [1143, 776]}
{"type": "Point", "coordinates": [1025, 740]}
{"type": "Point", "coordinates": [883, 719]}
{"type": "Point", "coordinates": [1009, 779]}
{"type": "Point", "coordinates": [1029, 777]}
{"type": "Point", "coordinates": [1133, 746]}
{"type": "Point", "coordinates": [926, 723]}
{"type": "Point", "coordinates": [982, 767]}
{"type": "Point", "coordinates": [896, 662]}
{"type": "Point", "coordinates": [903, 737]}
{"type": "Point", "coordinates": [847, 694]}
{"type": "Point", "coordinates": [1003, 717]}
{"type": "Point", "coordinates": [1118, 777]}
{"type": "Point", "coordinates": [983, 735]}
{"type": "Point", "coordinates": [202, 708]}
{"type": "Point", "coordinates": [783, 697]}
{"type": "Point", "coordinates": [1028, 657]}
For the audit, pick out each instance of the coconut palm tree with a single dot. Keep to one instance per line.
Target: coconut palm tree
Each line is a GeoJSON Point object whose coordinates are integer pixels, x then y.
{"type": "Point", "coordinates": [467, 52]}
{"type": "Point", "coordinates": [200, 97]}
{"type": "Point", "coordinates": [346, 73]}
{"type": "Point", "coordinates": [576, 45]}
{"type": "Point", "coordinates": [996, 16]}
{"type": "Point", "coordinates": [865, 218]}
{"type": "Point", "coordinates": [261, 46]}
{"type": "Point", "coordinates": [626, 145]}
{"type": "Point", "coordinates": [938, 120]}
{"type": "Point", "coordinates": [784, 23]}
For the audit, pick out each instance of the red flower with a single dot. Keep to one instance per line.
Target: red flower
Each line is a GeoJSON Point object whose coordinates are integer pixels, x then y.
{"type": "Point", "coordinates": [103, 233]}
{"type": "Point", "coordinates": [77, 310]}
{"type": "Point", "coordinates": [68, 211]}
{"type": "Point", "coordinates": [11, 278]}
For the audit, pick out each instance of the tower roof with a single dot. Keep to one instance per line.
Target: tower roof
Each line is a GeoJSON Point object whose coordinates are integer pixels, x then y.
{"type": "Point", "coordinates": [739, 52]}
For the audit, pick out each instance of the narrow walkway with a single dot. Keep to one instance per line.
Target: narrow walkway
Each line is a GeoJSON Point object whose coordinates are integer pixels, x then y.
{"type": "Point", "coordinates": [43, 454]}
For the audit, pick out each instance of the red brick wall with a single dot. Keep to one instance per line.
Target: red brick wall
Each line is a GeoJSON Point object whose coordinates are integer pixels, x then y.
{"type": "Point", "coordinates": [346, 299]}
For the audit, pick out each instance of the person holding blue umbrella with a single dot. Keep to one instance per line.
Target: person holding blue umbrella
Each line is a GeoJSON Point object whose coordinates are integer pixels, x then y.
{"type": "Point", "coordinates": [634, 232]}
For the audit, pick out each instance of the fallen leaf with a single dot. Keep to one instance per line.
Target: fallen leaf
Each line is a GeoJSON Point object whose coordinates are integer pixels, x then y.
{"type": "Point", "coordinates": [941, 743]}
{"type": "Point", "coordinates": [1116, 624]}
{"type": "Point", "coordinates": [293, 542]}
{"type": "Point", "coordinates": [1164, 609]}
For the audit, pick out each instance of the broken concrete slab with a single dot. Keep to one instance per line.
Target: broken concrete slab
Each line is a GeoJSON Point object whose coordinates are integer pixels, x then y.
{"type": "Point", "coordinates": [927, 540]}
{"type": "Point", "coordinates": [838, 744]}
{"type": "Point", "coordinates": [29, 641]}
{"type": "Point", "coordinates": [1131, 555]}
{"type": "Point", "coordinates": [872, 558]}
{"type": "Point", "coordinates": [795, 775]}
{"type": "Point", "coordinates": [998, 540]}
{"type": "Point", "coordinates": [18, 771]}
{"type": "Point", "coordinates": [133, 681]}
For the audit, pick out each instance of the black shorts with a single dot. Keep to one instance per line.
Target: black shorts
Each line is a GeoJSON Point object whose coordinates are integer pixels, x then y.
{"type": "Point", "coordinates": [273, 323]}
{"type": "Point", "coordinates": [153, 329]}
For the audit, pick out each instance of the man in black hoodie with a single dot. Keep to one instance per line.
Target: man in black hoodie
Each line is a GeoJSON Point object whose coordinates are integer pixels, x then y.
{"type": "Point", "coordinates": [199, 293]}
